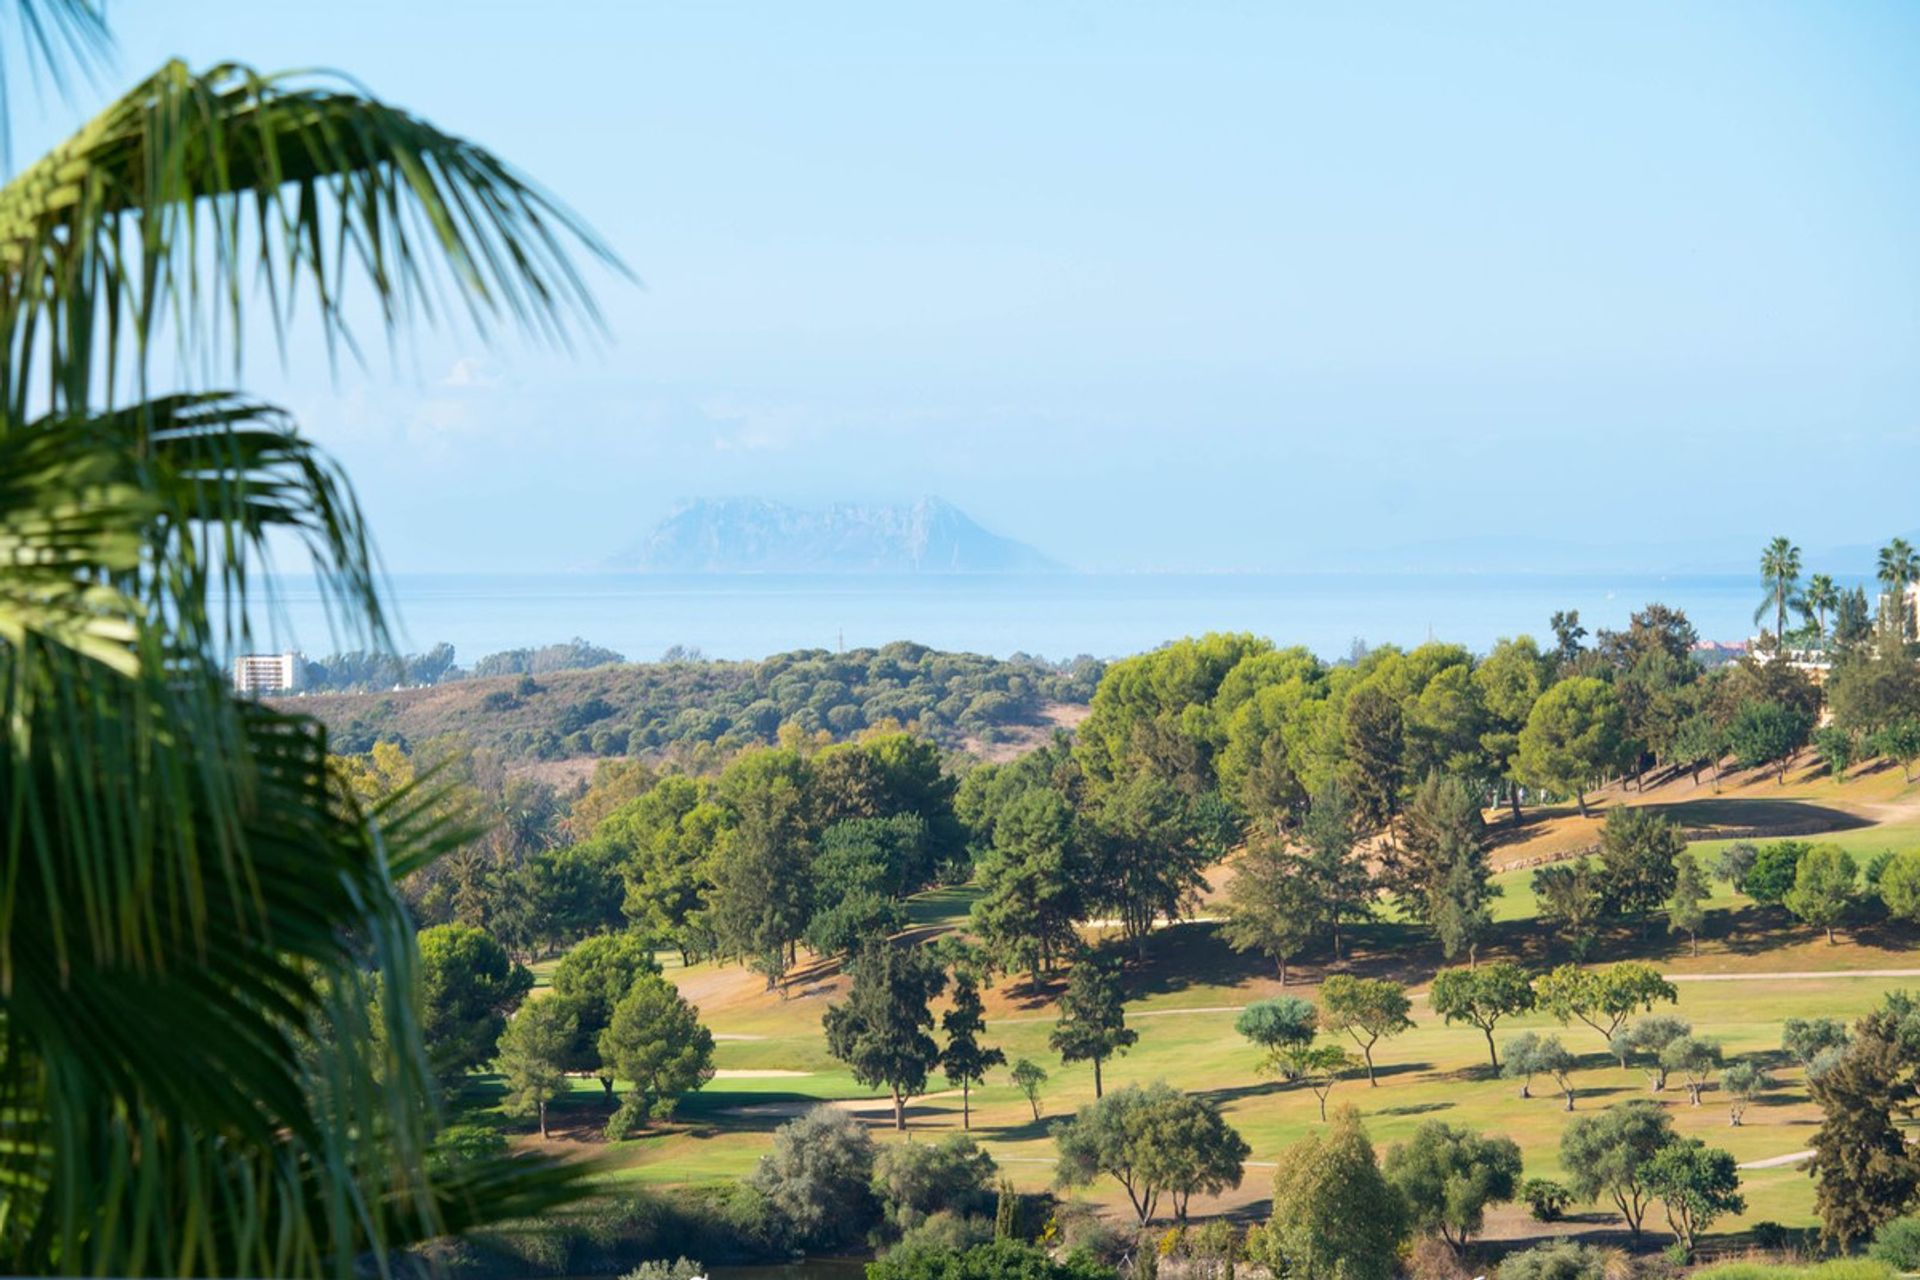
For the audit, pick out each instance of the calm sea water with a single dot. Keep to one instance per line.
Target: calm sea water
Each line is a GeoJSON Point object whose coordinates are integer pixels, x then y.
{"type": "Point", "coordinates": [1058, 616]}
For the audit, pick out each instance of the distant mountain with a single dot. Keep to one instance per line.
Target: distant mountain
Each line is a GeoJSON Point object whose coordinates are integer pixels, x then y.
{"type": "Point", "coordinates": [753, 535]}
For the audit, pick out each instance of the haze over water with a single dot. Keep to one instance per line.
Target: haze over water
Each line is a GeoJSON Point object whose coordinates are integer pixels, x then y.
{"type": "Point", "coordinates": [1058, 616]}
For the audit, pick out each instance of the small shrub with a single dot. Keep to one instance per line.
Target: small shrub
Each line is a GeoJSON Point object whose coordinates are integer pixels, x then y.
{"type": "Point", "coordinates": [817, 1178]}
{"type": "Point", "coordinates": [1078, 1228]}
{"type": "Point", "coordinates": [915, 1180]}
{"type": "Point", "coordinates": [1212, 1249]}
{"type": "Point", "coordinates": [1546, 1198]}
{"type": "Point", "coordinates": [460, 1144]}
{"type": "Point", "coordinates": [1837, 1269]}
{"type": "Point", "coordinates": [1432, 1258]}
{"type": "Point", "coordinates": [999, 1260]}
{"type": "Point", "coordinates": [678, 1269]}
{"type": "Point", "coordinates": [946, 1231]}
{"type": "Point", "coordinates": [1898, 1244]}
{"type": "Point", "coordinates": [1563, 1260]}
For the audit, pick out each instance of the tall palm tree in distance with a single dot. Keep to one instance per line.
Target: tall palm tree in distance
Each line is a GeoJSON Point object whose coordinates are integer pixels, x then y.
{"type": "Point", "coordinates": [1899, 568]}
{"type": "Point", "coordinates": [210, 1061]}
{"type": "Point", "coordinates": [1780, 570]}
{"type": "Point", "coordinates": [1820, 596]}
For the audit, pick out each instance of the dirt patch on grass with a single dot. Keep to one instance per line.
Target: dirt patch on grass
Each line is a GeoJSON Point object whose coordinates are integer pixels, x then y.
{"type": "Point", "coordinates": [1017, 740]}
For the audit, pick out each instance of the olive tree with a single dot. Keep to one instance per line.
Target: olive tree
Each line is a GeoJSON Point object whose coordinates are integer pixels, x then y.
{"type": "Point", "coordinates": [1367, 1009]}
{"type": "Point", "coordinates": [1482, 996]}
{"type": "Point", "coordinates": [1607, 1153]}
{"type": "Point", "coordinates": [1448, 1176]}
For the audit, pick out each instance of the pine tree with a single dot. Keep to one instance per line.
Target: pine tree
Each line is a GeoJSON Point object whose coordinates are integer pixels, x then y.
{"type": "Point", "coordinates": [1093, 1017]}
{"type": "Point", "coordinates": [1341, 883]}
{"type": "Point", "coordinates": [762, 884]}
{"type": "Point", "coordinates": [1684, 912]}
{"type": "Point", "coordinates": [1271, 904]}
{"type": "Point", "coordinates": [1864, 1171]}
{"type": "Point", "coordinates": [965, 1059]}
{"type": "Point", "coordinates": [880, 1029]}
{"type": "Point", "coordinates": [533, 1055]}
{"type": "Point", "coordinates": [1441, 876]}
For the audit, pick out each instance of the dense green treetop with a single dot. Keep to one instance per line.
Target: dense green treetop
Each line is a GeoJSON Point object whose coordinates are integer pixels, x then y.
{"type": "Point", "coordinates": [616, 709]}
{"type": "Point", "coordinates": [468, 986]}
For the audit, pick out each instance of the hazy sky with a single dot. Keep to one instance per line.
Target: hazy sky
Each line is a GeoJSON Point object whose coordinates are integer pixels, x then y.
{"type": "Point", "coordinates": [1156, 285]}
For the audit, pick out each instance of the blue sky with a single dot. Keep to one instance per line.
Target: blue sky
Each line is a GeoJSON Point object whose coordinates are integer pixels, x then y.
{"type": "Point", "coordinates": [1197, 286]}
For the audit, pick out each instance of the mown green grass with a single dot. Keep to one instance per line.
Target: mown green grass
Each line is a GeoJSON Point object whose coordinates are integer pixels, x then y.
{"type": "Point", "coordinates": [1432, 1072]}
{"type": "Point", "coordinates": [1183, 991]}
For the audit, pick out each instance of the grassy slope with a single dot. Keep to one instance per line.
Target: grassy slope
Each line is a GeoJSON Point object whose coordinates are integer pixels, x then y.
{"type": "Point", "coordinates": [1180, 1000]}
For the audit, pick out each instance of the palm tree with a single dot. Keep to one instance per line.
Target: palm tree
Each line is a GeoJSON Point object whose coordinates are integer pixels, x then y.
{"type": "Point", "coordinates": [1780, 570]}
{"type": "Point", "coordinates": [1899, 568]}
{"type": "Point", "coordinates": [209, 1058]}
{"type": "Point", "coordinates": [1820, 596]}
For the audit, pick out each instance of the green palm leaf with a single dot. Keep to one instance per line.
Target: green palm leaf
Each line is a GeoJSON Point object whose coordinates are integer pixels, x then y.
{"type": "Point", "coordinates": [206, 1071]}
{"type": "Point", "coordinates": [169, 208]}
{"type": "Point", "coordinates": [210, 1060]}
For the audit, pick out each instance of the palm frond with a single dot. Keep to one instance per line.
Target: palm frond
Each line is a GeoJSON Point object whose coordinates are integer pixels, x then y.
{"type": "Point", "coordinates": [49, 38]}
{"type": "Point", "coordinates": [195, 192]}
{"type": "Point", "coordinates": [210, 1059]}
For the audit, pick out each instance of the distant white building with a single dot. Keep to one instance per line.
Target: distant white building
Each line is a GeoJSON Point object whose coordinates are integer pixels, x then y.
{"type": "Point", "coordinates": [256, 675]}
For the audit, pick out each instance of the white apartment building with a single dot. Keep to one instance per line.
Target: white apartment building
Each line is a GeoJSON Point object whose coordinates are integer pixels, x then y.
{"type": "Point", "coordinates": [259, 674]}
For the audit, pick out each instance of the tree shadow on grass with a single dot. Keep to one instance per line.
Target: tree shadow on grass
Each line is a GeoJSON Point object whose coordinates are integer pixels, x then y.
{"type": "Point", "coordinates": [1711, 818]}
{"type": "Point", "coordinates": [1415, 1109]}
{"type": "Point", "coordinates": [1179, 957]}
{"type": "Point", "coordinates": [1263, 1089]}
{"type": "Point", "coordinates": [1387, 1070]}
{"type": "Point", "coordinates": [1027, 1130]}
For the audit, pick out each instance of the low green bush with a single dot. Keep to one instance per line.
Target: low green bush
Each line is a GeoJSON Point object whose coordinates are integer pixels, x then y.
{"type": "Point", "coordinates": [660, 1269]}
{"type": "Point", "coordinates": [944, 1230]}
{"type": "Point", "coordinates": [1000, 1260]}
{"type": "Point", "coordinates": [722, 1224]}
{"type": "Point", "coordinates": [1546, 1198]}
{"type": "Point", "coordinates": [1837, 1269]}
{"type": "Point", "coordinates": [1898, 1244]}
{"type": "Point", "coordinates": [1561, 1260]}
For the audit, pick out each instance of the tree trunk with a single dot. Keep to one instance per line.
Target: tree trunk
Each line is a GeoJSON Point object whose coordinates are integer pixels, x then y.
{"type": "Point", "coordinates": [1830, 941]}
{"type": "Point", "coordinates": [966, 1105]}
{"type": "Point", "coordinates": [1492, 1053]}
{"type": "Point", "coordinates": [606, 1082]}
{"type": "Point", "coordinates": [1513, 799]}
{"type": "Point", "coordinates": [1526, 1088]}
{"type": "Point", "coordinates": [1096, 1078]}
{"type": "Point", "coordinates": [543, 1119]}
{"type": "Point", "coordinates": [1367, 1053]}
{"type": "Point", "coordinates": [1569, 1099]}
{"type": "Point", "coordinates": [1580, 798]}
{"type": "Point", "coordinates": [899, 1110]}
{"type": "Point", "coordinates": [1694, 938]}
{"type": "Point", "coordinates": [1283, 971]}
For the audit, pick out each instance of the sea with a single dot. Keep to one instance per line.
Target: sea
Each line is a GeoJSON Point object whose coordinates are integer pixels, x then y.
{"type": "Point", "coordinates": [1057, 616]}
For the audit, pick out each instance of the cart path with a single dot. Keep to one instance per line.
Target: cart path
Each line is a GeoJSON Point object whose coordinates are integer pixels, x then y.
{"type": "Point", "coordinates": [1774, 1162]}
